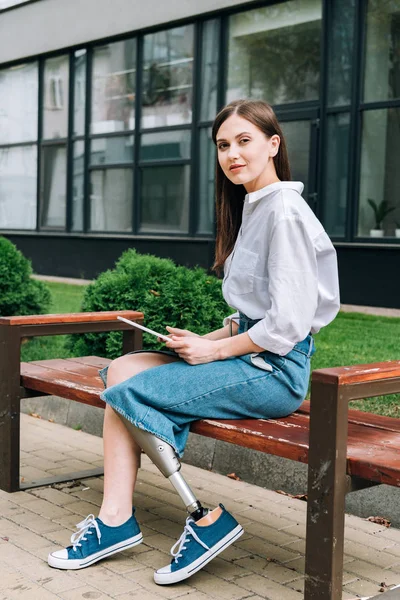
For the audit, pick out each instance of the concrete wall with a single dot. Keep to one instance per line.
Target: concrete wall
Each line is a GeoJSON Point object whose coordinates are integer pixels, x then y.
{"type": "Point", "coordinates": [54, 24]}
{"type": "Point", "coordinates": [271, 472]}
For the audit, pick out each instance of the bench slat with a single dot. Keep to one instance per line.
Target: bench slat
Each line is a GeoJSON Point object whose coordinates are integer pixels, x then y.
{"type": "Point", "coordinates": [371, 455]}
{"type": "Point", "coordinates": [86, 317]}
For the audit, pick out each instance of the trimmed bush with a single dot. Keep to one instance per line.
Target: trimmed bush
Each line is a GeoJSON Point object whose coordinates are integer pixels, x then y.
{"type": "Point", "coordinates": [19, 294]}
{"type": "Point", "coordinates": [167, 294]}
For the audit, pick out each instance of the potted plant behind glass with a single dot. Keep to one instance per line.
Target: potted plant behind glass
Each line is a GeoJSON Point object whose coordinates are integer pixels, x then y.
{"type": "Point", "coordinates": [381, 211]}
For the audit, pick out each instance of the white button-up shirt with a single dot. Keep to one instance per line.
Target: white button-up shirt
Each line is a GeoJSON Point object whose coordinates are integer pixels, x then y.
{"type": "Point", "coordinates": [282, 270]}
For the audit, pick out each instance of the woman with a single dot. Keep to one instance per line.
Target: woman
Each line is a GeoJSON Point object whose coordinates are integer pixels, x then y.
{"type": "Point", "coordinates": [280, 273]}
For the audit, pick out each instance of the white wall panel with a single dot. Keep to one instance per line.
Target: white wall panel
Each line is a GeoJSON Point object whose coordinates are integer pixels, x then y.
{"type": "Point", "coordinates": [52, 24]}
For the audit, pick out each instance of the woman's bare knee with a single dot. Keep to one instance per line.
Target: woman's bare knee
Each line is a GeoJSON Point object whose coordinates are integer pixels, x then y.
{"type": "Point", "coordinates": [127, 366]}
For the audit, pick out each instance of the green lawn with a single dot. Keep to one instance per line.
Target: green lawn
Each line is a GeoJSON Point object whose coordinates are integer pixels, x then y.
{"type": "Point", "coordinates": [353, 338]}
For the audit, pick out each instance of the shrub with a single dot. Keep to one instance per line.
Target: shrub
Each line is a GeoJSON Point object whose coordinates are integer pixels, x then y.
{"type": "Point", "coordinates": [167, 294]}
{"type": "Point", "coordinates": [19, 294]}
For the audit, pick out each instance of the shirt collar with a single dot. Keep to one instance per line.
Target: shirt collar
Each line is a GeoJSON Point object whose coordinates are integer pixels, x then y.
{"type": "Point", "coordinates": [273, 187]}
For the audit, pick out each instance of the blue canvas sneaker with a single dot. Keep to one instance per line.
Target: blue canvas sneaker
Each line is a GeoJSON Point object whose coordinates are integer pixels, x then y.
{"type": "Point", "coordinates": [197, 546]}
{"type": "Point", "coordinates": [94, 541]}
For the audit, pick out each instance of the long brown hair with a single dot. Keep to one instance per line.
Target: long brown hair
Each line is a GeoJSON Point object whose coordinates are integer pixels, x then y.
{"type": "Point", "coordinates": [230, 197]}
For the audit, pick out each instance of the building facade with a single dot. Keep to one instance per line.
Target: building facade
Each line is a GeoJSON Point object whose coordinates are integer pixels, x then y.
{"type": "Point", "coordinates": [106, 112]}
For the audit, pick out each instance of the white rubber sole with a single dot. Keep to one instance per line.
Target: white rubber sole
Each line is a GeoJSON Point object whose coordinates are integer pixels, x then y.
{"type": "Point", "coordinates": [175, 576]}
{"type": "Point", "coordinates": [81, 563]}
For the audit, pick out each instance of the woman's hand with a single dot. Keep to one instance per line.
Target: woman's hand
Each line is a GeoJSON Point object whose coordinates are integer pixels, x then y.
{"type": "Point", "coordinates": [194, 349]}
{"type": "Point", "coordinates": [178, 332]}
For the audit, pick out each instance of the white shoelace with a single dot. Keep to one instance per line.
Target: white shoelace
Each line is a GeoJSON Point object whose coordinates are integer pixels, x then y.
{"type": "Point", "coordinates": [84, 527]}
{"type": "Point", "coordinates": [187, 530]}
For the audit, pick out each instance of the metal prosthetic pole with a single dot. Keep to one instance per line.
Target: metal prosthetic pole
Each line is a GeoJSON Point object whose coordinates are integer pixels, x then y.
{"type": "Point", "coordinates": [165, 458]}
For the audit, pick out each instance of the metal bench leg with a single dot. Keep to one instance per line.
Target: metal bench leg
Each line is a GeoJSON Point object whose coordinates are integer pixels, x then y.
{"type": "Point", "coordinates": [9, 408]}
{"type": "Point", "coordinates": [327, 486]}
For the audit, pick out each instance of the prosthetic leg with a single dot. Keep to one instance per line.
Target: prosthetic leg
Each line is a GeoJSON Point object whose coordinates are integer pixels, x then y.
{"type": "Point", "coordinates": [165, 458]}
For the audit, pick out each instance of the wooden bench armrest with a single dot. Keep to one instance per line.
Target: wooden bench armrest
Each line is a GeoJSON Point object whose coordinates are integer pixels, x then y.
{"type": "Point", "coordinates": [36, 325]}
{"type": "Point", "coordinates": [362, 381]}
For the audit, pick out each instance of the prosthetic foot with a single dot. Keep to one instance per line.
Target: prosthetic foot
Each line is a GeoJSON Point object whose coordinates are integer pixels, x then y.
{"type": "Point", "coordinates": [165, 458]}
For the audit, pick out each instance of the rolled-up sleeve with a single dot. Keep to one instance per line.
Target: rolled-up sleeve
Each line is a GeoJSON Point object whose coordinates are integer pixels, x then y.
{"type": "Point", "coordinates": [234, 317]}
{"type": "Point", "coordinates": [292, 288]}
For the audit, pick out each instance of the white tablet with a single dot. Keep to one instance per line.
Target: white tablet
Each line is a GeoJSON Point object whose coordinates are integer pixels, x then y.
{"type": "Point", "coordinates": [160, 335]}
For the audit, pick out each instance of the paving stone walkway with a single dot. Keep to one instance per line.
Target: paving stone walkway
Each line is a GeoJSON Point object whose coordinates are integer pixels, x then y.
{"type": "Point", "coordinates": [266, 562]}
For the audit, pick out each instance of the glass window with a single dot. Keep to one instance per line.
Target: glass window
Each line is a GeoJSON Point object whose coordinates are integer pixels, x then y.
{"type": "Point", "coordinates": [206, 183]}
{"type": "Point", "coordinates": [18, 167]}
{"type": "Point", "coordinates": [7, 3]}
{"type": "Point", "coordinates": [111, 150]}
{"type": "Point", "coordinates": [114, 87]}
{"type": "Point", "coordinates": [78, 185]}
{"type": "Point", "coordinates": [336, 174]}
{"type": "Point", "coordinates": [379, 202]}
{"type": "Point", "coordinates": [209, 70]}
{"type": "Point", "coordinates": [340, 51]}
{"type": "Point", "coordinates": [165, 199]}
{"type": "Point", "coordinates": [111, 192]}
{"type": "Point", "coordinates": [56, 87]}
{"type": "Point", "coordinates": [79, 92]}
{"type": "Point", "coordinates": [297, 137]}
{"type": "Point", "coordinates": [19, 104]}
{"type": "Point", "coordinates": [165, 144]}
{"type": "Point", "coordinates": [53, 186]}
{"type": "Point", "coordinates": [274, 52]}
{"type": "Point", "coordinates": [168, 77]}
{"type": "Point", "coordinates": [382, 60]}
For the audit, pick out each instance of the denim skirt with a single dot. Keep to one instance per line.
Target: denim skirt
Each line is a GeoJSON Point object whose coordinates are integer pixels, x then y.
{"type": "Point", "coordinates": [165, 399]}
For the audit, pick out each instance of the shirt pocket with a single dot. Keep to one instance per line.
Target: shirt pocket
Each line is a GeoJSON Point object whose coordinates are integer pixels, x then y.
{"type": "Point", "coordinates": [241, 276]}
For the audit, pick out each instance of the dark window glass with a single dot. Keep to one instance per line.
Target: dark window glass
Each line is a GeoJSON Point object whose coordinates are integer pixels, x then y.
{"type": "Point", "coordinates": [165, 144]}
{"type": "Point", "coordinates": [53, 186]}
{"type": "Point", "coordinates": [111, 150]}
{"type": "Point", "coordinates": [80, 92]}
{"type": "Point", "coordinates": [379, 201]}
{"type": "Point", "coordinates": [297, 136]}
{"type": "Point", "coordinates": [18, 167]}
{"type": "Point", "coordinates": [168, 77]}
{"type": "Point", "coordinates": [206, 183]}
{"type": "Point", "coordinates": [19, 104]}
{"type": "Point", "coordinates": [56, 86]}
{"type": "Point", "coordinates": [165, 199]}
{"type": "Point", "coordinates": [78, 192]}
{"type": "Point", "coordinates": [111, 200]}
{"type": "Point", "coordinates": [209, 70]}
{"type": "Point", "coordinates": [382, 60]}
{"type": "Point", "coordinates": [113, 87]}
{"type": "Point", "coordinates": [336, 174]}
{"type": "Point", "coordinates": [340, 51]}
{"type": "Point", "coordinates": [274, 52]}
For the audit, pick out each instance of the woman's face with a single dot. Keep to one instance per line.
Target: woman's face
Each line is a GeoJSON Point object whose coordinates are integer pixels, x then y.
{"type": "Point", "coordinates": [245, 154]}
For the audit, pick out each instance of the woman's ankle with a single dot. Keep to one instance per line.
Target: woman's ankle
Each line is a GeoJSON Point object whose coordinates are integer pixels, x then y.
{"type": "Point", "coordinates": [114, 516]}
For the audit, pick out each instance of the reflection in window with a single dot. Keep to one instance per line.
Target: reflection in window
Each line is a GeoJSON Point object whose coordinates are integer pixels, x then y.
{"type": "Point", "coordinates": [340, 52]}
{"type": "Point", "coordinates": [80, 92]}
{"type": "Point", "coordinates": [111, 150]}
{"type": "Point", "coordinates": [297, 136]}
{"type": "Point", "coordinates": [165, 199]}
{"type": "Point", "coordinates": [18, 168]}
{"type": "Point", "coordinates": [78, 181]}
{"type": "Point", "coordinates": [168, 77]}
{"type": "Point", "coordinates": [111, 200]}
{"type": "Point", "coordinates": [56, 83]}
{"type": "Point", "coordinates": [274, 52]}
{"type": "Point", "coordinates": [113, 91]}
{"type": "Point", "coordinates": [209, 70]}
{"type": "Point", "coordinates": [165, 145]}
{"type": "Point", "coordinates": [336, 174]}
{"type": "Point", "coordinates": [53, 186]}
{"type": "Point", "coordinates": [382, 61]}
{"type": "Point", "coordinates": [19, 104]}
{"type": "Point", "coordinates": [206, 183]}
{"type": "Point", "coordinates": [379, 202]}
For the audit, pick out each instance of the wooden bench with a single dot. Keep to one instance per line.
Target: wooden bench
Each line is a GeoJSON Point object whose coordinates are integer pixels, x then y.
{"type": "Point", "coordinates": [345, 449]}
